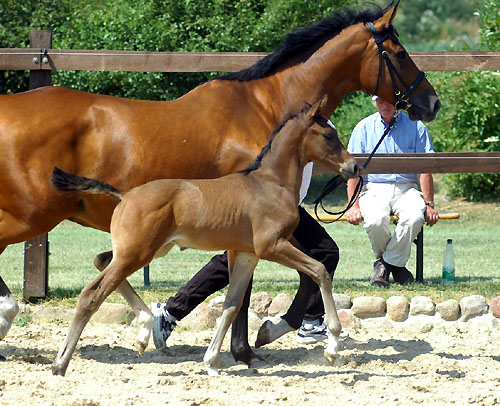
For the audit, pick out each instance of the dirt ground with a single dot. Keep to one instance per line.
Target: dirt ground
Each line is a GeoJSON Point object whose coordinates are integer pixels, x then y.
{"type": "Point", "coordinates": [439, 366]}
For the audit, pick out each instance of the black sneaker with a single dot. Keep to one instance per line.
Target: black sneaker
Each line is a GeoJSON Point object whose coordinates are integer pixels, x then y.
{"type": "Point", "coordinates": [163, 326]}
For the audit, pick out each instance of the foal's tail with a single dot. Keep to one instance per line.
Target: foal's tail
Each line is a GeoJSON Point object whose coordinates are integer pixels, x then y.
{"type": "Point", "coordinates": [67, 182]}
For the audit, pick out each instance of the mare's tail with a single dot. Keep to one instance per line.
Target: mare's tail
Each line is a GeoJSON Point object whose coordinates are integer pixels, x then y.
{"type": "Point", "coordinates": [67, 182]}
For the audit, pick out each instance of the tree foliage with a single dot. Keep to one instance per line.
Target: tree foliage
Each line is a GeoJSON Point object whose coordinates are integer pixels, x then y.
{"type": "Point", "coordinates": [470, 118]}
{"type": "Point", "coordinates": [153, 25]}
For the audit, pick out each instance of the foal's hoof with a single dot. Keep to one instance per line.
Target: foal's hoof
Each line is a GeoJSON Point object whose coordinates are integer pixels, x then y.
{"type": "Point", "coordinates": [330, 357]}
{"type": "Point", "coordinates": [58, 369]}
{"type": "Point", "coordinates": [264, 336]}
{"type": "Point", "coordinates": [140, 347]}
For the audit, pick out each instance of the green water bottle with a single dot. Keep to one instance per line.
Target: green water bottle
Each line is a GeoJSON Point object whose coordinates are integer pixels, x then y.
{"type": "Point", "coordinates": [448, 263]}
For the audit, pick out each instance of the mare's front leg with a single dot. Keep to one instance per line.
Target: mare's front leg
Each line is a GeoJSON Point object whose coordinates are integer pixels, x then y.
{"type": "Point", "coordinates": [240, 349]}
{"type": "Point", "coordinates": [8, 308]}
{"type": "Point", "coordinates": [241, 266]}
{"type": "Point", "coordinates": [284, 253]}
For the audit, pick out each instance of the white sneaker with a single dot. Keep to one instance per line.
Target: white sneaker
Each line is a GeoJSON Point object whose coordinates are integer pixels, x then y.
{"type": "Point", "coordinates": [163, 326]}
{"type": "Point", "coordinates": [316, 333]}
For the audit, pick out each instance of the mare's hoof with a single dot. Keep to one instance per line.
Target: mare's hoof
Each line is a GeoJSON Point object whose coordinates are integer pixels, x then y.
{"type": "Point", "coordinates": [330, 357]}
{"type": "Point", "coordinates": [247, 356]}
{"type": "Point", "coordinates": [257, 362]}
{"type": "Point", "coordinates": [2, 358]}
{"type": "Point", "coordinates": [263, 336]}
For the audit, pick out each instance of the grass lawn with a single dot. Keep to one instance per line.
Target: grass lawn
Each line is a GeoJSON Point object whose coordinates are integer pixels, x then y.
{"type": "Point", "coordinates": [475, 235]}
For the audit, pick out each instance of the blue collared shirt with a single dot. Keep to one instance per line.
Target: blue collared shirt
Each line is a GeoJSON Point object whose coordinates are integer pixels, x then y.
{"type": "Point", "coordinates": [405, 137]}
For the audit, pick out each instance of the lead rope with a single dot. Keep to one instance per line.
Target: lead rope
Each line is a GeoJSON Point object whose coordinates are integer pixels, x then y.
{"type": "Point", "coordinates": [337, 180]}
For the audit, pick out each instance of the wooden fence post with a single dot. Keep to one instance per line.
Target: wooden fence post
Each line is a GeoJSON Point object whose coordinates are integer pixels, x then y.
{"type": "Point", "coordinates": [36, 251]}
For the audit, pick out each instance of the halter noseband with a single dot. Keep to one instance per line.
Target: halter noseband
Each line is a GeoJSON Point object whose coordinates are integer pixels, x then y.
{"type": "Point", "coordinates": [403, 100]}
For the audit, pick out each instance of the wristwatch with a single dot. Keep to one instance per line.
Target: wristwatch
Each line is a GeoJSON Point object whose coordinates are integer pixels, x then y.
{"type": "Point", "coordinates": [430, 203]}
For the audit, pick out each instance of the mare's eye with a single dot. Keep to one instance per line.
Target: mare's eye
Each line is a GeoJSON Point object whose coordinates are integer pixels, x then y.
{"type": "Point", "coordinates": [401, 55]}
{"type": "Point", "coordinates": [328, 135]}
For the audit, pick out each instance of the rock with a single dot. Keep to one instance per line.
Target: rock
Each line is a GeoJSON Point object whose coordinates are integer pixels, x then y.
{"type": "Point", "coordinates": [495, 306]}
{"type": "Point", "coordinates": [342, 301]}
{"type": "Point", "coordinates": [203, 317]}
{"type": "Point", "coordinates": [113, 313]}
{"type": "Point", "coordinates": [52, 313]}
{"type": "Point", "coordinates": [397, 308]}
{"type": "Point", "coordinates": [473, 306]}
{"type": "Point", "coordinates": [260, 302]}
{"type": "Point", "coordinates": [368, 306]}
{"type": "Point", "coordinates": [280, 304]}
{"type": "Point", "coordinates": [449, 310]}
{"type": "Point", "coordinates": [422, 305]}
{"type": "Point", "coordinates": [216, 304]}
{"type": "Point", "coordinates": [347, 319]}
{"type": "Point", "coordinates": [254, 321]}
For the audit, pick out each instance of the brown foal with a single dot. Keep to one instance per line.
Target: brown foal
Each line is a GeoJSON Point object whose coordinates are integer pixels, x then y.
{"type": "Point", "coordinates": [251, 214]}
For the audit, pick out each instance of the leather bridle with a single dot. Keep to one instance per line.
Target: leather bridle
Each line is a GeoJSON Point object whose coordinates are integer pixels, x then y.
{"type": "Point", "coordinates": [403, 99]}
{"type": "Point", "coordinates": [402, 103]}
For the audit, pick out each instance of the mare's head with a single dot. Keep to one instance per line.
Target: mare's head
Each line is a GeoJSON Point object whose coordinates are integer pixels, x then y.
{"type": "Point", "coordinates": [321, 143]}
{"type": "Point", "coordinates": [391, 73]}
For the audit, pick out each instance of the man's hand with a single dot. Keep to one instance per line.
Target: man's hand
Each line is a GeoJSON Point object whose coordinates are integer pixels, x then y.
{"type": "Point", "coordinates": [354, 215]}
{"type": "Point", "coordinates": [431, 216]}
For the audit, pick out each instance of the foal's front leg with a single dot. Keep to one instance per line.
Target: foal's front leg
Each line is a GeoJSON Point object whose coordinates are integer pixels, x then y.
{"type": "Point", "coordinates": [241, 266]}
{"type": "Point", "coordinates": [284, 253]}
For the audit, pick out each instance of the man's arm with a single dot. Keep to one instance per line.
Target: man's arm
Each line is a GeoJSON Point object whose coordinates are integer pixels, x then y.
{"type": "Point", "coordinates": [427, 185]}
{"type": "Point", "coordinates": [354, 214]}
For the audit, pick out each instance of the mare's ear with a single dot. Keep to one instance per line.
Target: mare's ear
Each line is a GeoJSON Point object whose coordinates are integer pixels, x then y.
{"type": "Point", "coordinates": [316, 108]}
{"type": "Point", "coordinates": [387, 18]}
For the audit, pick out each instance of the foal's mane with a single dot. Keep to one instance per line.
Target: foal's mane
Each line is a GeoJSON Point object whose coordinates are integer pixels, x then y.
{"type": "Point", "coordinates": [258, 161]}
{"type": "Point", "coordinates": [299, 45]}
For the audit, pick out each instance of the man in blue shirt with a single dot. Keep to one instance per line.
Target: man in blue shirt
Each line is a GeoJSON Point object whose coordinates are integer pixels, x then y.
{"type": "Point", "coordinates": [386, 194]}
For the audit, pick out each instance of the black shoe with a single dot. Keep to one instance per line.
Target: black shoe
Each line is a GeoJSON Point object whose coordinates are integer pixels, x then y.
{"type": "Point", "coordinates": [401, 275]}
{"type": "Point", "coordinates": [381, 275]}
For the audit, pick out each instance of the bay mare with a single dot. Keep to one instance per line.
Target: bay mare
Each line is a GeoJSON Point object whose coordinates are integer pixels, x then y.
{"type": "Point", "coordinates": [251, 214]}
{"type": "Point", "coordinates": [216, 129]}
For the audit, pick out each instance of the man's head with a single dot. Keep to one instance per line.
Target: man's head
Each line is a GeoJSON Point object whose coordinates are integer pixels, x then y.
{"type": "Point", "coordinates": [385, 109]}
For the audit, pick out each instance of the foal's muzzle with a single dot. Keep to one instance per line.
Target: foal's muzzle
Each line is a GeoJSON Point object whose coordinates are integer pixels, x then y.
{"type": "Point", "coordinates": [350, 169]}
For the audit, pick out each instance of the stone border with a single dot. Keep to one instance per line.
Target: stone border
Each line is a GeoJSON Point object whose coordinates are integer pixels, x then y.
{"type": "Point", "coordinates": [366, 311]}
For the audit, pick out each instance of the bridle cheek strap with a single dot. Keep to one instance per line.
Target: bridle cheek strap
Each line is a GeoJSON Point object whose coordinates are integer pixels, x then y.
{"type": "Point", "coordinates": [403, 99]}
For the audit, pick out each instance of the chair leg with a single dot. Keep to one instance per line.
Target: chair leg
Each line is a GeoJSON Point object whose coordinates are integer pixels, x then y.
{"type": "Point", "coordinates": [420, 256]}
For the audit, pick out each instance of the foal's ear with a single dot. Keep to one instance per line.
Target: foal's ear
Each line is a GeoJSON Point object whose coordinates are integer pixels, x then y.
{"type": "Point", "coordinates": [316, 108]}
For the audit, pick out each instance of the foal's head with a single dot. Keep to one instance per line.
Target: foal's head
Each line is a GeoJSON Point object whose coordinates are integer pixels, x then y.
{"type": "Point", "coordinates": [321, 144]}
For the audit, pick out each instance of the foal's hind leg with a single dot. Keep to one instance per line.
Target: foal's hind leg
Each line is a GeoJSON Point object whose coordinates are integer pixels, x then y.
{"type": "Point", "coordinates": [241, 266]}
{"type": "Point", "coordinates": [91, 298]}
{"type": "Point", "coordinates": [145, 319]}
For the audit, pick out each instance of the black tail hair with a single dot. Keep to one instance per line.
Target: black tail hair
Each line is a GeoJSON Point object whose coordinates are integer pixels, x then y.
{"type": "Point", "coordinates": [68, 182]}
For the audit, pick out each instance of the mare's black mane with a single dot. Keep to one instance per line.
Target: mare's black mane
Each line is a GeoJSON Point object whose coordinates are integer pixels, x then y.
{"type": "Point", "coordinates": [299, 45]}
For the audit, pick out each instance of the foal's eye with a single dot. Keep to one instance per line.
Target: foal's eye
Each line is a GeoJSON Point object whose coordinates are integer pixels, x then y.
{"type": "Point", "coordinates": [401, 55]}
{"type": "Point", "coordinates": [328, 136]}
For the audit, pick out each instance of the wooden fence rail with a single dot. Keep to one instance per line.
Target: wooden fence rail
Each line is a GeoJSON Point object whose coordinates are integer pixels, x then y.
{"type": "Point", "coordinates": [132, 61]}
{"type": "Point", "coordinates": [40, 59]}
